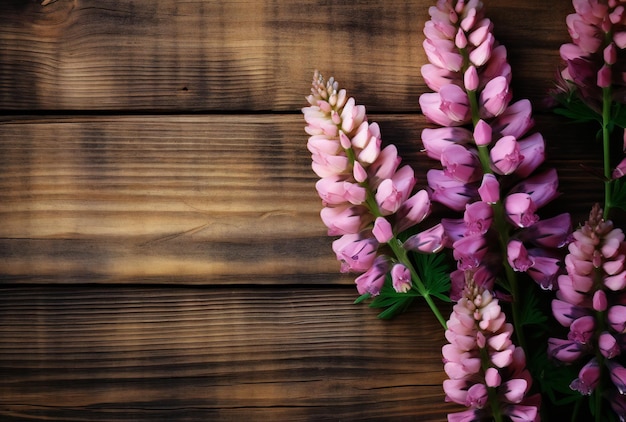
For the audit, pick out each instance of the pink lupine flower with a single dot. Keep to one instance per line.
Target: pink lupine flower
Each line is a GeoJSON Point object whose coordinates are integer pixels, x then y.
{"type": "Point", "coordinates": [356, 252]}
{"type": "Point", "coordinates": [372, 280]}
{"type": "Point", "coordinates": [427, 241]}
{"type": "Point", "coordinates": [453, 193]}
{"type": "Point", "coordinates": [481, 358]}
{"type": "Point", "coordinates": [366, 195]}
{"type": "Point", "coordinates": [506, 155]}
{"type": "Point", "coordinates": [495, 97]}
{"type": "Point", "coordinates": [598, 31]}
{"type": "Point", "coordinates": [588, 378]}
{"type": "Point", "coordinates": [520, 209]}
{"type": "Point", "coordinates": [587, 304]}
{"type": "Point", "coordinates": [460, 163]}
{"type": "Point", "coordinates": [607, 343]}
{"type": "Point", "coordinates": [401, 278]}
{"type": "Point", "coordinates": [484, 148]}
{"type": "Point", "coordinates": [515, 121]}
{"type": "Point", "coordinates": [345, 219]}
{"type": "Point", "coordinates": [436, 140]}
{"type": "Point", "coordinates": [413, 211]}
{"type": "Point", "coordinates": [489, 189]}
{"type": "Point", "coordinates": [382, 230]}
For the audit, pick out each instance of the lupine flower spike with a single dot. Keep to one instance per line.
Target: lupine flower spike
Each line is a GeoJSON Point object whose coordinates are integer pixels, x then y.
{"type": "Point", "coordinates": [592, 305]}
{"type": "Point", "coordinates": [591, 85]}
{"type": "Point", "coordinates": [487, 372]}
{"type": "Point", "coordinates": [368, 197]}
{"type": "Point", "coordinates": [489, 159]}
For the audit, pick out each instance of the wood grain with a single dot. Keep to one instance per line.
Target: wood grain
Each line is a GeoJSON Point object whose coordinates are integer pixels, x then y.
{"type": "Point", "coordinates": [194, 199]}
{"type": "Point", "coordinates": [145, 354]}
{"type": "Point", "coordinates": [161, 252]}
{"type": "Point", "coordinates": [242, 55]}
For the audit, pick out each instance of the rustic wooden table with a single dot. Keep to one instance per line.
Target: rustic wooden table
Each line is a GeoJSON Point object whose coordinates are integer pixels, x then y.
{"type": "Point", "coordinates": [161, 251]}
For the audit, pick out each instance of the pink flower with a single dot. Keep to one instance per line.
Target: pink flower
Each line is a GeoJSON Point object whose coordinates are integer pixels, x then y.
{"type": "Point", "coordinates": [373, 279]}
{"type": "Point", "coordinates": [413, 211]}
{"type": "Point", "coordinates": [436, 140]}
{"type": "Point", "coordinates": [489, 189]}
{"type": "Point", "coordinates": [495, 98]}
{"type": "Point", "coordinates": [427, 241]}
{"type": "Point", "coordinates": [460, 163]}
{"type": "Point", "coordinates": [451, 192]}
{"type": "Point", "coordinates": [477, 329]}
{"type": "Point", "coordinates": [505, 155]}
{"type": "Point", "coordinates": [518, 257]}
{"type": "Point", "coordinates": [361, 184]}
{"type": "Point", "coordinates": [401, 278]}
{"type": "Point", "coordinates": [345, 219]}
{"type": "Point", "coordinates": [607, 343]}
{"type": "Point", "coordinates": [550, 233]}
{"type": "Point", "coordinates": [515, 121]}
{"type": "Point", "coordinates": [392, 193]}
{"type": "Point", "coordinates": [618, 375]}
{"type": "Point", "coordinates": [469, 251]}
{"type": "Point", "coordinates": [436, 77]}
{"type": "Point", "coordinates": [382, 230]}
{"type": "Point", "coordinates": [482, 133]}
{"type": "Point", "coordinates": [565, 350]}
{"type": "Point", "coordinates": [478, 217]}
{"type": "Point", "coordinates": [520, 209]}
{"type": "Point", "coordinates": [588, 378]}
{"type": "Point", "coordinates": [356, 252]}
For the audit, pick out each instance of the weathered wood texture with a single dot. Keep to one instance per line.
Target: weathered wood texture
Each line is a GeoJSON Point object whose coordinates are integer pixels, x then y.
{"type": "Point", "coordinates": [241, 55]}
{"type": "Point", "coordinates": [131, 354]}
{"type": "Point", "coordinates": [161, 252]}
{"type": "Point", "coordinates": [189, 199]}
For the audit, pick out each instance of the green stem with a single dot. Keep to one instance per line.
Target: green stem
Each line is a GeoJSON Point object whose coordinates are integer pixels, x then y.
{"type": "Point", "coordinates": [400, 253]}
{"type": "Point", "coordinates": [402, 257]}
{"type": "Point", "coordinates": [606, 134]}
{"type": "Point", "coordinates": [494, 401]}
{"type": "Point", "coordinates": [502, 228]}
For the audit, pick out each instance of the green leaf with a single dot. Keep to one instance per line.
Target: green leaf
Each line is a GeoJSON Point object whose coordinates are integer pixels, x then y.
{"type": "Point", "coordinates": [574, 108]}
{"type": "Point", "coordinates": [531, 312]}
{"type": "Point", "coordinates": [618, 196]}
{"type": "Point", "coordinates": [434, 271]}
{"type": "Point", "coordinates": [619, 115]}
{"type": "Point", "coordinates": [361, 298]}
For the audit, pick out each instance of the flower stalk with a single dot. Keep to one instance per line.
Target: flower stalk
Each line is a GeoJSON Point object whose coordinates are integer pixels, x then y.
{"type": "Point", "coordinates": [368, 198]}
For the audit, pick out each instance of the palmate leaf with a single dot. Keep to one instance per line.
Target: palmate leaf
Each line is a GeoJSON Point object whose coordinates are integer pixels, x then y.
{"type": "Point", "coordinates": [618, 194]}
{"type": "Point", "coordinates": [575, 109]}
{"type": "Point", "coordinates": [435, 274]}
{"type": "Point", "coordinates": [530, 309]}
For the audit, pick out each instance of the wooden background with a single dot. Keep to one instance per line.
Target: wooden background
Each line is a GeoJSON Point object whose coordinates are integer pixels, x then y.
{"type": "Point", "coordinates": [161, 251]}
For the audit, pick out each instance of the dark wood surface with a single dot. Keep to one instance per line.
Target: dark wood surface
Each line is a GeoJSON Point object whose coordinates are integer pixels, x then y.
{"type": "Point", "coordinates": [161, 252]}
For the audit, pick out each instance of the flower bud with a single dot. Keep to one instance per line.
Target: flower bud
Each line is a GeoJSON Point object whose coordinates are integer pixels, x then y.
{"type": "Point", "coordinates": [470, 79]}
{"type": "Point", "coordinates": [604, 77]}
{"type": "Point", "coordinates": [489, 189]}
{"type": "Point", "coordinates": [382, 230]}
{"type": "Point", "coordinates": [610, 54]}
{"type": "Point", "coordinates": [482, 133]}
{"type": "Point", "coordinates": [401, 278]}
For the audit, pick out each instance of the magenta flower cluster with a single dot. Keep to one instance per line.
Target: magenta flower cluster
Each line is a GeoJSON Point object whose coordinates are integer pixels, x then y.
{"type": "Point", "coordinates": [592, 59]}
{"type": "Point", "coordinates": [489, 168]}
{"type": "Point", "coordinates": [591, 303]}
{"type": "Point", "coordinates": [487, 372]}
{"type": "Point", "coordinates": [367, 196]}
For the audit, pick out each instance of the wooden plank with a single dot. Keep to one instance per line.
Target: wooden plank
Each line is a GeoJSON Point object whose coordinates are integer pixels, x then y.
{"type": "Point", "coordinates": [242, 55]}
{"type": "Point", "coordinates": [196, 199]}
{"type": "Point", "coordinates": [145, 354]}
